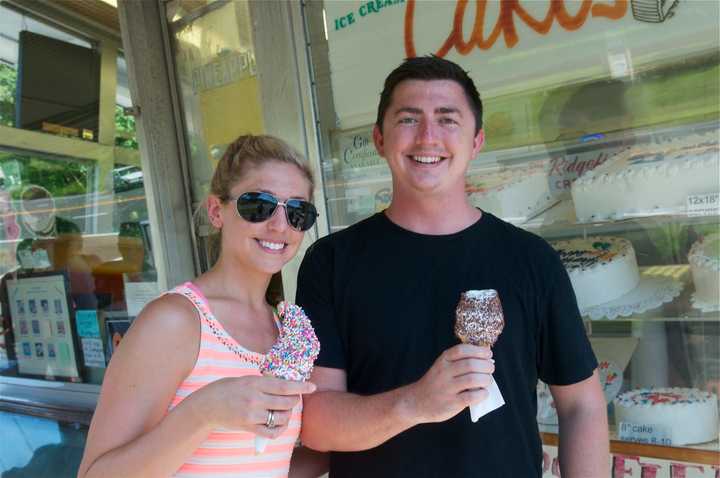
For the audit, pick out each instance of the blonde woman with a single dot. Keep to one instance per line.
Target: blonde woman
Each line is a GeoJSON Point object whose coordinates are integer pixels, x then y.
{"type": "Point", "coordinates": [183, 395]}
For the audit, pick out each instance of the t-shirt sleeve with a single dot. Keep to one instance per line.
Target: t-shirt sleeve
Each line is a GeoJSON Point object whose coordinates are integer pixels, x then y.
{"type": "Point", "coordinates": [565, 354]}
{"type": "Point", "coordinates": [315, 295]}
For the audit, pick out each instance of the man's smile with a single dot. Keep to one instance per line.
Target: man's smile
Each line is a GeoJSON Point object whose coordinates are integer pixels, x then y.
{"type": "Point", "coordinates": [426, 159]}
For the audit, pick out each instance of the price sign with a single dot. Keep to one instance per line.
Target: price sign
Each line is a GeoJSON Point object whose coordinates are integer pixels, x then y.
{"type": "Point", "coordinates": [644, 433]}
{"type": "Point", "coordinates": [703, 204]}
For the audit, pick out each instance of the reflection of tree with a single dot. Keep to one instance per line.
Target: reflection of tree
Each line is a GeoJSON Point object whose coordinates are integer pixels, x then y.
{"type": "Point", "coordinates": [61, 178]}
{"type": "Point", "coordinates": [8, 78]}
{"type": "Point", "coordinates": [124, 129]}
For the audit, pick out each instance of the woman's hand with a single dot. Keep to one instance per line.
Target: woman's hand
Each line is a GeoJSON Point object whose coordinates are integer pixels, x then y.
{"type": "Point", "coordinates": [244, 403]}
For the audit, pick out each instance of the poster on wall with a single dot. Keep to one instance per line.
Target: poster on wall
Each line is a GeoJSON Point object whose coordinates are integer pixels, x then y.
{"type": "Point", "coordinates": [509, 46]}
{"type": "Point", "coordinates": [42, 323]}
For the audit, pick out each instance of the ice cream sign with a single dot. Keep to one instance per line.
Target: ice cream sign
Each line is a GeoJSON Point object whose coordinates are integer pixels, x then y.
{"type": "Point", "coordinates": [509, 12]}
{"type": "Point", "coordinates": [508, 45]}
{"type": "Point", "coordinates": [367, 8]}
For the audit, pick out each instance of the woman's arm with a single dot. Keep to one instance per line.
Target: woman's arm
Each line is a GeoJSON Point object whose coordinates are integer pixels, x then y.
{"type": "Point", "coordinates": [133, 435]}
{"type": "Point", "coordinates": [126, 435]}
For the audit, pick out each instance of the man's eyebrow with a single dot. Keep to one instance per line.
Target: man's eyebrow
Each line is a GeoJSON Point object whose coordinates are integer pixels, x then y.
{"type": "Point", "coordinates": [444, 110]}
{"type": "Point", "coordinates": [408, 109]}
{"type": "Point", "coordinates": [448, 110]}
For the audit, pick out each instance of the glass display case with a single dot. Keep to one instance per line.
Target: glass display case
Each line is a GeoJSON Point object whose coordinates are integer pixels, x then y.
{"type": "Point", "coordinates": [620, 173]}
{"type": "Point", "coordinates": [644, 260]}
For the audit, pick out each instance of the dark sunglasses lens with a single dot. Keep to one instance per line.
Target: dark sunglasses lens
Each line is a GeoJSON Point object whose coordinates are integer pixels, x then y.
{"type": "Point", "coordinates": [256, 207]}
{"type": "Point", "coordinates": [301, 214]}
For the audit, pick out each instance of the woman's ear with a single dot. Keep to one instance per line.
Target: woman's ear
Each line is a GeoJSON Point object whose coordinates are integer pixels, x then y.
{"type": "Point", "coordinates": [214, 210]}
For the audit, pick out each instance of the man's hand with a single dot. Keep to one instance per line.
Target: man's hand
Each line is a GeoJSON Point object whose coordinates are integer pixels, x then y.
{"type": "Point", "coordinates": [334, 419]}
{"type": "Point", "coordinates": [457, 379]}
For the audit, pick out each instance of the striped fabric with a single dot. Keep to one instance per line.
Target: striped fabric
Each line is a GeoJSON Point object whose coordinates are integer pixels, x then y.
{"type": "Point", "coordinates": [229, 452]}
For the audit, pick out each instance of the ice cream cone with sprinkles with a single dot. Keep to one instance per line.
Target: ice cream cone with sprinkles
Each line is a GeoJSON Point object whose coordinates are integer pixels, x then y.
{"type": "Point", "coordinates": [479, 321]}
{"type": "Point", "coordinates": [293, 355]}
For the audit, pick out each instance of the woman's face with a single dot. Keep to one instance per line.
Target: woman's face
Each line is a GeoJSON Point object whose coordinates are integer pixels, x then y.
{"type": "Point", "coordinates": [262, 246]}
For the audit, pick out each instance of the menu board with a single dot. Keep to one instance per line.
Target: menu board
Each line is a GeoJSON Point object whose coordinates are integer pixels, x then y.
{"type": "Point", "coordinates": [42, 325]}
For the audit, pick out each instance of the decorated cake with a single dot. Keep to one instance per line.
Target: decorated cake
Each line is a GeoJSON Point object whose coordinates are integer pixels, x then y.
{"type": "Point", "coordinates": [601, 268]}
{"type": "Point", "coordinates": [686, 415]}
{"type": "Point", "coordinates": [655, 180]}
{"type": "Point", "coordinates": [514, 194]}
{"type": "Point", "coordinates": [704, 258]}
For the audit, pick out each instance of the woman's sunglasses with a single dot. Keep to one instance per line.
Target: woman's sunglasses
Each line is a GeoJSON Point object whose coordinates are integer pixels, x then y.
{"type": "Point", "coordinates": [259, 207]}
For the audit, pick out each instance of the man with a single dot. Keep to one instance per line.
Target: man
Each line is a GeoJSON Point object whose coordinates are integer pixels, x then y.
{"type": "Point", "coordinates": [392, 379]}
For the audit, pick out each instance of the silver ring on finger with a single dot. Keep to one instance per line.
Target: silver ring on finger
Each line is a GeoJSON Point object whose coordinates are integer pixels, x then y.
{"type": "Point", "coordinates": [270, 422]}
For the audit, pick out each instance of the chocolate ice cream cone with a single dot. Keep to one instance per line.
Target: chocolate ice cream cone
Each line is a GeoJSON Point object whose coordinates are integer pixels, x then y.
{"type": "Point", "coordinates": [479, 321]}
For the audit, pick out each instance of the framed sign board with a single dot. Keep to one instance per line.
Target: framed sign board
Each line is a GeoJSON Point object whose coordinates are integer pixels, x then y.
{"type": "Point", "coordinates": [43, 324]}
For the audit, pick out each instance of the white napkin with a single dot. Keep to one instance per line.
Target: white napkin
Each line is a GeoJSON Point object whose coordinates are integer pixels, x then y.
{"type": "Point", "coordinates": [494, 401]}
{"type": "Point", "coordinates": [260, 444]}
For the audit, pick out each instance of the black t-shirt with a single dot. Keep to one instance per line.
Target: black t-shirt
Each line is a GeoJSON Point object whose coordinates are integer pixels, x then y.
{"type": "Point", "coordinates": [382, 300]}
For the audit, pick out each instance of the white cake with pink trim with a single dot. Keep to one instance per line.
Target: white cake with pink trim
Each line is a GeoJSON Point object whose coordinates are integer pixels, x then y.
{"type": "Point", "coordinates": [689, 415]}
{"type": "Point", "coordinates": [514, 194]}
{"type": "Point", "coordinates": [649, 180]}
{"type": "Point", "coordinates": [601, 268]}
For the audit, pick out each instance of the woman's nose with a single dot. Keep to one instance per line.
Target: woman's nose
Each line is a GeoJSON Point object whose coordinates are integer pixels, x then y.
{"type": "Point", "coordinates": [278, 221]}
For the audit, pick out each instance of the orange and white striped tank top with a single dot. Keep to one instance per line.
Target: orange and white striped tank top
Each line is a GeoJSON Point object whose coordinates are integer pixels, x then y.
{"type": "Point", "coordinates": [229, 452]}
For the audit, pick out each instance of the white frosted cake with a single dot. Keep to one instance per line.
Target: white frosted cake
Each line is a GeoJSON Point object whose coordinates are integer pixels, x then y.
{"type": "Point", "coordinates": [601, 268]}
{"type": "Point", "coordinates": [656, 179]}
{"type": "Point", "coordinates": [514, 194]}
{"type": "Point", "coordinates": [689, 415]}
{"type": "Point", "coordinates": [704, 259]}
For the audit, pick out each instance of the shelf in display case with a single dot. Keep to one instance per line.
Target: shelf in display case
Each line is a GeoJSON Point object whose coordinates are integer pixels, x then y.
{"type": "Point", "coordinates": [530, 186]}
{"type": "Point", "coordinates": [663, 294]}
{"type": "Point", "coordinates": [657, 296]}
{"type": "Point", "coordinates": [559, 220]}
{"type": "Point", "coordinates": [703, 453]}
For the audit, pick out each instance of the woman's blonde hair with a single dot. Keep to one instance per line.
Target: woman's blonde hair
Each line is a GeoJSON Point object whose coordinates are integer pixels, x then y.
{"type": "Point", "coordinates": [252, 151]}
{"type": "Point", "coordinates": [243, 154]}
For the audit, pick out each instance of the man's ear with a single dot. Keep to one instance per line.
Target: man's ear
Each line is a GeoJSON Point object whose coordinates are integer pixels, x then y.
{"type": "Point", "coordinates": [214, 205]}
{"type": "Point", "coordinates": [378, 140]}
{"type": "Point", "coordinates": [478, 142]}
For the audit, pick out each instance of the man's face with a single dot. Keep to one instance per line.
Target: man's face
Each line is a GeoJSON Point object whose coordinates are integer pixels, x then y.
{"type": "Point", "coordinates": [428, 137]}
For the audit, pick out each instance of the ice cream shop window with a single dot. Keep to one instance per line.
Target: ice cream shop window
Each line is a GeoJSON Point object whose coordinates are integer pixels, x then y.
{"type": "Point", "coordinates": [75, 246]}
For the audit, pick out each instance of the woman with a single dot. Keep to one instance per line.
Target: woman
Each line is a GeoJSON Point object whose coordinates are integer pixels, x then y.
{"type": "Point", "coordinates": [183, 394]}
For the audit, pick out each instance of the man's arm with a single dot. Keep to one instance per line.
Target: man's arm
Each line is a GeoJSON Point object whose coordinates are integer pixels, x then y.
{"type": "Point", "coordinates": [584, 443]}
{"type": "Point", "coordinates": [334, 419]}
{"type": "Point", "coordinates": [307, 463]}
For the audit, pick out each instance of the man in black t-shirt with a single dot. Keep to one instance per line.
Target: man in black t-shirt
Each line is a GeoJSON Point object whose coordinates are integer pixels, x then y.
{"type": "Point", "coordinates": [393, 382]}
